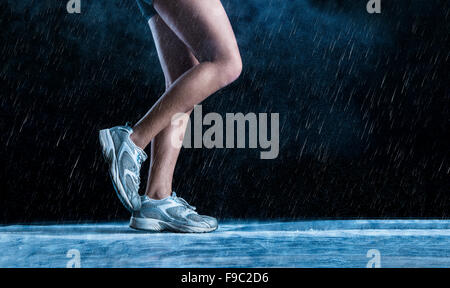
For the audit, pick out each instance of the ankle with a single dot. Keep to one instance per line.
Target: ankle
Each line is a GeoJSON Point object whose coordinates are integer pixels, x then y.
{"type": "Point", "coordinates": [136, 139]}
{"type": "Point", "coordinates": [159, 194]}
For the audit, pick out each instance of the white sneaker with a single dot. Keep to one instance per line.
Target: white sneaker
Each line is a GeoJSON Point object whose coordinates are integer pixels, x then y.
{"type": "Point", "coordinates": [125, 160]}
{"type": "Point", "coordinates": [171, 214]}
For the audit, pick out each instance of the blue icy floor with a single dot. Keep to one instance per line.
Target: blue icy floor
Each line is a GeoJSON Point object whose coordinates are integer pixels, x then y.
{"type": "Point", "coordinates": [330, 243]}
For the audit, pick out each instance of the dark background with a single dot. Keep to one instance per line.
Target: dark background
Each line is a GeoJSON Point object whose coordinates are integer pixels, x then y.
{"type": "Point", "coordinates": [363, 102]}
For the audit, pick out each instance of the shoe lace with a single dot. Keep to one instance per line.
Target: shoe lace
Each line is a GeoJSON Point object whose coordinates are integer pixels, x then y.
{"type": "Point", "coordinates": [182, 201]}
{"type": "Point", "coordinates": [141, 157]}
{"type": "Point", "coordinates": [140, 160]}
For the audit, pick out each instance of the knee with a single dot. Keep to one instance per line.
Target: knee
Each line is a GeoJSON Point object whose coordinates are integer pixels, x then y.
{"type": "Point", "coordinates": [233, 69]}
{"type": "Point", "coordinates": [229, 69]}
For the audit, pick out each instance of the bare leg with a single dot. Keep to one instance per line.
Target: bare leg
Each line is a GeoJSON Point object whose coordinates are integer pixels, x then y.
{"type": "Point", "coordinates": [204, 28]}
{"type": "Point", "coordinates": [175, 59]}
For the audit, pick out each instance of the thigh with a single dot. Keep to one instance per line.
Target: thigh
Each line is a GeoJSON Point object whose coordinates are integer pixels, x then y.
{"type": "Point", "coordinates": [175, 57]}
{"type": "Point", "coordinates": [202, 25]}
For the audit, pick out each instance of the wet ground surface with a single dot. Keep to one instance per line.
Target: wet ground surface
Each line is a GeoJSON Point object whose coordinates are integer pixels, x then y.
{"type": "Point", "coordinates": [319, 243]}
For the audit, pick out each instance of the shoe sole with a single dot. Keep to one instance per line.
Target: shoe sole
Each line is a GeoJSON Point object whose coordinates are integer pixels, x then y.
{"type": "Point", "coordinates": [109, 154]}
{"type": "Point", "coordinates": [155, 225]}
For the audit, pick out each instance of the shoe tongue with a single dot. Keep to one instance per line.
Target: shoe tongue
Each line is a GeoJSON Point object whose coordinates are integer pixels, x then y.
{"type": "Point", "coordinates": [127, 126]}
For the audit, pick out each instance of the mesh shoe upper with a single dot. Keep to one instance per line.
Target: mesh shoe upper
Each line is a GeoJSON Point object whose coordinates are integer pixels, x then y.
{"type": "Point", "coordinates": [127, 163]}
{"type": "Point", "coordinates": [175, 210]}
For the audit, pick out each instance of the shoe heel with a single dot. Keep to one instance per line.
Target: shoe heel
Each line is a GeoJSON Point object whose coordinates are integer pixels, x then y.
{"type": "Point", "coordinates": [105, 138]}
{"type": "Point", "coordinates": [146, 224]}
